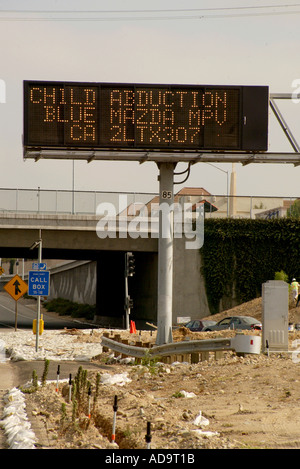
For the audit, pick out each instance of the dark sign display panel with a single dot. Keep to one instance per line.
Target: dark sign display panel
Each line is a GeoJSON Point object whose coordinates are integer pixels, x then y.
{"type": "Point", "coordinates": [155, 117]}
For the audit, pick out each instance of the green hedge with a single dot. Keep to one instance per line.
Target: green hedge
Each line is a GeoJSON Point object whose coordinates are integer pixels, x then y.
{"type": "Point", "coordinates": [238, 255]}
{"type": "Point", "coordinates": [69, 308]}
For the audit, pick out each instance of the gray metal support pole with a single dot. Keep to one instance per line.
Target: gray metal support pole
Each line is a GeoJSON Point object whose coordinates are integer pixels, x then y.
{"type": "Point", "coordinates": [127, 309]}
{"type": "Point", "coordinates": [38, 316]}
{"type": "Point", "coordinates": [283, 125]}
{"type": "Point", "coordinates": [165, 254]}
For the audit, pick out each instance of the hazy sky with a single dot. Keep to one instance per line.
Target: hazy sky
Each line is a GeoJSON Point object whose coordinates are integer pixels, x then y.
{"type": "Point", "coordinates": [236, 46]}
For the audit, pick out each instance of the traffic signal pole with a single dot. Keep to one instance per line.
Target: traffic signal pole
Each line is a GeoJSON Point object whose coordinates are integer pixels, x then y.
{"type": "Point", "coordinates": [129, 272]}
{"type": "Point", "coordinates": [127, 310]}
{"type": "Point", "coordinates": [165, 254]}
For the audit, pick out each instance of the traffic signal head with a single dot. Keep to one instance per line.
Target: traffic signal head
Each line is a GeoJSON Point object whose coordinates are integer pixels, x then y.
{"type": "Point", "coordinates": [128, 303]}
{"type": "Point", "coordinates": [130, 264]}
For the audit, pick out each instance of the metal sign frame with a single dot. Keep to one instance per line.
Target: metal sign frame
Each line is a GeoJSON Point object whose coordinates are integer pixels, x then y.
{"type": "Point", "coordinates": [177, 156]}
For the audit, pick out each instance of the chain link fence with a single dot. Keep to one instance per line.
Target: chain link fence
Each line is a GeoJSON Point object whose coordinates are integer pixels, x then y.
{"type": "Point", "coordinates": [130, 204]}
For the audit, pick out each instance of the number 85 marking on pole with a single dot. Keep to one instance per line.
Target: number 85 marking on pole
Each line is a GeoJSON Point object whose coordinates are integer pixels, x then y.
{"type": "Point", "coordinates": [166, 194]}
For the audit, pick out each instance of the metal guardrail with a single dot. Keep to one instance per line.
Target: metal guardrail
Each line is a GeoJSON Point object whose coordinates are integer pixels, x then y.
{"type": "Point", "coordinates": [130, 350]}
{"type": "Point", "coordinates": [192, 346]}
{"type": "Point", "coordinates": [174, 348]}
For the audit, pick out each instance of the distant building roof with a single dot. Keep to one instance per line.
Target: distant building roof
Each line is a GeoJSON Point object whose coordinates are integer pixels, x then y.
{"type": "Point", "coordinates": [208, 207]}
{"type": "Point", "coordinates": [196, 192]}
{"type": "Point", "coordinates": [193, 191]}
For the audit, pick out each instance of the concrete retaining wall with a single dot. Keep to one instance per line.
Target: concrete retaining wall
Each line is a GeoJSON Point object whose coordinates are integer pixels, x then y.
{"type": "Point", "coordinates": [75, 281]}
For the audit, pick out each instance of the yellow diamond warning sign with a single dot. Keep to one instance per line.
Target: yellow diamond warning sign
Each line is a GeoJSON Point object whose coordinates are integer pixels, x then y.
{"type": "Point", "coordinates": [16, 287]}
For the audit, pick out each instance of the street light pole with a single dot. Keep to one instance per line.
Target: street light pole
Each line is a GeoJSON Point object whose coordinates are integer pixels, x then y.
{"type": "Point", "coordinates": [223, 171]}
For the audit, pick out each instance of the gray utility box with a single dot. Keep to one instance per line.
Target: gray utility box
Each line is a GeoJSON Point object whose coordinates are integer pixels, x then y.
{"type": "Point", "coordinates": [275, 315]}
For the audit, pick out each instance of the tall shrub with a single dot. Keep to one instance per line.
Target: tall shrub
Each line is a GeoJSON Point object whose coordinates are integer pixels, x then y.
{"type": "Point", "coordinates": [238, 255]}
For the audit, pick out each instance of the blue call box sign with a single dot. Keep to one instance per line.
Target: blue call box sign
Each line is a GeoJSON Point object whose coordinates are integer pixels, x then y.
{"type": "Point", "coordinates": [38, 283]}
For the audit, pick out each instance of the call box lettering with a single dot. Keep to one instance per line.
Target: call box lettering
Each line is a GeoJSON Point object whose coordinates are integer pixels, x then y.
{"type": "Point", "coordinates": [38, 283]}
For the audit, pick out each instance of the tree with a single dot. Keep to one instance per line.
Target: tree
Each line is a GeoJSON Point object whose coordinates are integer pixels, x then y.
{"type": "Point", "coordinates": [294, 210]}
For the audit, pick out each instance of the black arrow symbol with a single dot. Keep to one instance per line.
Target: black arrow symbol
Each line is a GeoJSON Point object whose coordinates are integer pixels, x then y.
{"type": "Point", "coordinates": [17, 289]}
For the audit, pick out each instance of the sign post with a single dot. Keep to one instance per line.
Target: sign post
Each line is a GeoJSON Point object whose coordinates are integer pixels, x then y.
{"type": "Point", "coordinates": [39, 284]}
{"type": "Point", "coordinates": [165, 254]}
{"type": "Point", "coordinates": [16, 288]}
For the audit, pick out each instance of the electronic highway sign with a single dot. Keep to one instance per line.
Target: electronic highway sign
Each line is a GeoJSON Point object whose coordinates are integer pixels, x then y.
{"type": "Point", "coordinates": [66, 115]}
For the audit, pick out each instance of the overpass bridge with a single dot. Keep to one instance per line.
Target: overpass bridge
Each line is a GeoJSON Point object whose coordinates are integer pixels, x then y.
{"type": "Point", "coordinates": [63, 234]}
{"type": "Point", "coordinates": [73, 236]}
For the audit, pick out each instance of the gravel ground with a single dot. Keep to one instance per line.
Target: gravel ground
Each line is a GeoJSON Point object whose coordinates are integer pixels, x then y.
{"type": "Point", "coordinates": [229, 403]}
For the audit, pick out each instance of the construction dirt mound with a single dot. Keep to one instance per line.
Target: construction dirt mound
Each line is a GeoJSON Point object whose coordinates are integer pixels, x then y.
{"type": "Point", "coordinates": [253, 308]}
{"type": "Point", "coordinates": [224, 402]}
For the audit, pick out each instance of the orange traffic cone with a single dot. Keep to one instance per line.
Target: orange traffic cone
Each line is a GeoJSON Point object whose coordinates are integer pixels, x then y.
{"type": "Point", "coordinates": [132, 327]}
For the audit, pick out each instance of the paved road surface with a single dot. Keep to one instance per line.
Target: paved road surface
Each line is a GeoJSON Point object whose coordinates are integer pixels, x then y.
{"type": "Point", "coordinates": [27, 312]}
